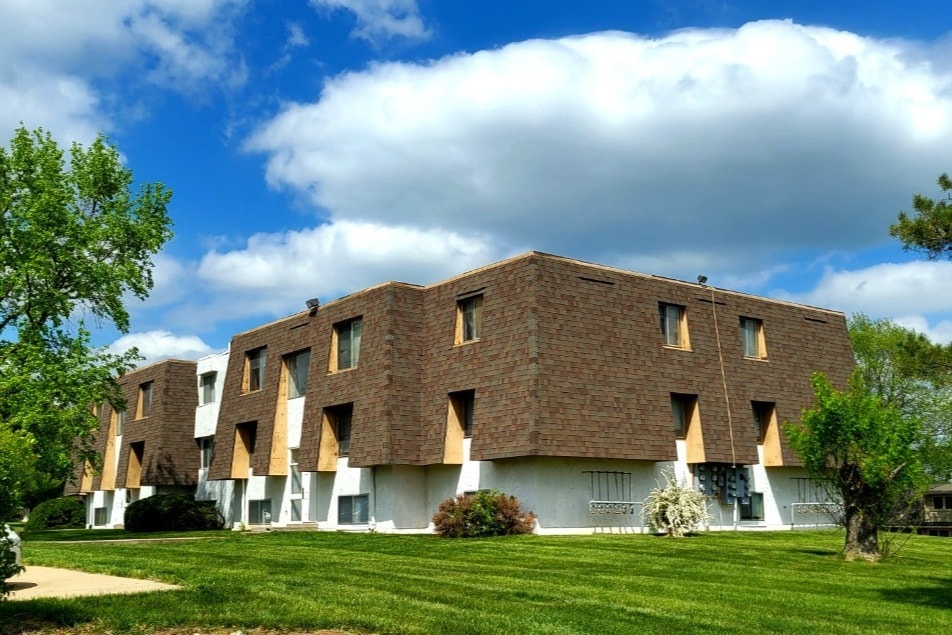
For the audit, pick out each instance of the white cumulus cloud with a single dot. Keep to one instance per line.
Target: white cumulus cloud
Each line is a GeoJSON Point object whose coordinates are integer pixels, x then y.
{"type": "Point", "coordinates": [381, 19]}
{"type": "Point", "coordinates": [57, 54]}
{"type": "Point", "coordinates": [158, 345]}
{"type": "Point", "coordinates": [939, 332]}
{"type": "Point", "coordinates": [916, 295]}
{"type": "Point", "coordinates": [737, 147]}
{"type": "Point", "coordinates": [276, 273]}
{"type": "Point", "coordinates": [884, 289]}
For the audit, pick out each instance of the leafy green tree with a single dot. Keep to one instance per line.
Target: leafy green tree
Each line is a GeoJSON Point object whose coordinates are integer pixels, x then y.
{"type": "Point", "coordinates": [930, 229]}
{"type": "Point", "coordinates": [914, 375]}
{"type": "Point", "coordinates": [865, 448]}
{"type": "Point", "coordinates": [75, 242]}
{"type": "Point", "coordinates": [17, 468]}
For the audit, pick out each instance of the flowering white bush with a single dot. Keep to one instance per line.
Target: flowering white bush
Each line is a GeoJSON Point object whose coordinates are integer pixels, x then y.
{"type": "Point", "coordinates": [675, 507]}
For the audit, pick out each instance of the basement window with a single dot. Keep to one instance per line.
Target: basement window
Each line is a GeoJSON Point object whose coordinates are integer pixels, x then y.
{"type": "Point", "coordinates": [353, 510]}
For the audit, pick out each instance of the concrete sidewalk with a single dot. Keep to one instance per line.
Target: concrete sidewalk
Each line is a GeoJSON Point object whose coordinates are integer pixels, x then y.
{"type": "Point", "coordinates": [47, 582]}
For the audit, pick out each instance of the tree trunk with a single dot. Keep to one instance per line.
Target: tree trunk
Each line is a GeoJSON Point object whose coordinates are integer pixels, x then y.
{"type": "Point", "coordinates": [862, 536]}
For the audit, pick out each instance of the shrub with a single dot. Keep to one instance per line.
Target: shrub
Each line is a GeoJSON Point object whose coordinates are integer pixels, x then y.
{"type": "Point", "coordinates": [172, 512]}
{"type": "Point", "coordinates": [486, 513]}
{"type": "Point", "coordinates": [675, 508]}
{"type": "Point", "coordinates": [66, 512]}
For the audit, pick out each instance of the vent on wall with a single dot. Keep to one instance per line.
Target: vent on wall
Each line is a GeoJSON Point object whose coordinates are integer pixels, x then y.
{"type": "Point", "coordinates": [607, 282]}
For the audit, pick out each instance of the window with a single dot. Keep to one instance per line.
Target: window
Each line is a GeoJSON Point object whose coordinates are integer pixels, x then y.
{"type": "Point", "coordinates": [752, 335]}
{"type": "Point", "coordinates": [346, 352]}
{"type": "Point", "coordinates": [248, 434]}
{"type": "Point", "coordinates": [297, 364]}
{"type": "Point", "coordinates": [120, 422]}
{"type": "Point", "coordinates": [752, 506]}
{"type": "Point", "coordinates": [673, 325]}
{"type": "Point", "coordinates": [336, 428]}
{"type": "Point", "coordinates": [942, 502]}
{"type": "Point", "coordinates": [682, 409]}
{"type": "Point", "coordinates": [296, 487]}
{"type": "Point", "coordinates": [100, 516]}
{"type": "Point", "coordinates": [206, 446]}
{"type": "Point", "coordinates": [353, 510]}
{"type": "Point", "coordinates": [145, 400]}
{"type": "Point", "coordinates": [462, 403]}
{"type": "Point", "coordinates": [134, 468]}
{"type": "Point", "coordinates": [259, 512]}
{"type": "Point", "coordinates": [243, 450]}
{"type": "Point", "coordinates": [469, 319]}
{"type": "Point", "coordinates": [763, 415]}
{"type": "Point", "coordinates": [206, 388]}
{"type": "Point", "coordinates": [254, 369]}
{"type": "Point", "coordinates": [343, 417]}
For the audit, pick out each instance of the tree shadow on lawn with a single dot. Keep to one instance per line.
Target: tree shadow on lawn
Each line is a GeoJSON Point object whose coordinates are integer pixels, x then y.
{"type": "Point", "coordinates": [938, 596]}
{"type": "Point", "coordinates": [27, 616]}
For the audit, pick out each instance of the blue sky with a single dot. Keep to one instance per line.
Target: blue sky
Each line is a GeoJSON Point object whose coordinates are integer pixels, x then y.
{"type": "Point", "coordinates": [318, 147]}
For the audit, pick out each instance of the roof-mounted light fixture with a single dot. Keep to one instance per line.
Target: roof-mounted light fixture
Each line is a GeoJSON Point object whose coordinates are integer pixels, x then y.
{"type": "Point", "coordinates": [702, 279]}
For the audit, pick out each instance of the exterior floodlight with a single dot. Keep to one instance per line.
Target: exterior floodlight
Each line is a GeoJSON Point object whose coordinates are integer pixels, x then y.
{"type": "Point", "coordinates": [313, 303]}
{"type": "Point", "coordinates": [702, 279]}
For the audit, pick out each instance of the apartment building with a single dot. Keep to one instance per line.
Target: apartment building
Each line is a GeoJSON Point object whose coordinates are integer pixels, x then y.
{"type": "Point", "coordinates": [567, 384]}
{"type": "Point", "coordinates": [146, 448]}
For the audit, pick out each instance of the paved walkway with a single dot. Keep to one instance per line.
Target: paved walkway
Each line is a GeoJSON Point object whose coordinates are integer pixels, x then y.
{"type": "Point", "coordinates": [47, 582]}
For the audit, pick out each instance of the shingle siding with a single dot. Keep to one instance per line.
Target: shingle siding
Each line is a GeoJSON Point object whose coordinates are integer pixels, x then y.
{"type": "Point", "coordinates": [570, 362]}
{"type": "Point", "coordinates": [170, 456]}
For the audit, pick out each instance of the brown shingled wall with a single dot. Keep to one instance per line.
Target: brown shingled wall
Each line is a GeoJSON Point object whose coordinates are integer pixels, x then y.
{"type": "Point", "coordinates": [102, 434]}
{"type": "Point", "coordinates": [606, 378]}
{"type": "Point", "coordinates": [380, 386]}
{"type": "Point", "coordinates": [279, 338]}
{"type": "Point", "coordinates": [170, 455]}
{"type": "Point", "coordinates": [570, 362]}
{"type": "Point", "coordinates": [500, 366]}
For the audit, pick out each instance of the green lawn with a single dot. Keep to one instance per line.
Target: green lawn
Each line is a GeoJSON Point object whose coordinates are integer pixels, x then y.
{"type": "Point", "coordinates": [781, 582]}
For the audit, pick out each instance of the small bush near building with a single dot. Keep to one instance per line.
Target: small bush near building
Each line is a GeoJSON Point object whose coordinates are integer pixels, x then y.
{"type": "Point", "coordinates": [485, 513]}
{"type": "Point", "coordinates": [172, 512]}
{"type": "Point", "coordinates": [66, 512]}
{"type": "Point", "coordinates": [675, 508]}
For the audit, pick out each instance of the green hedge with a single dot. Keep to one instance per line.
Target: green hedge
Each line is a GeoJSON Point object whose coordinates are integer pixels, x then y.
{"type": "Point", "coordinates": [172, 512]}
{"type": "Point", "coordinates": [66, 512]}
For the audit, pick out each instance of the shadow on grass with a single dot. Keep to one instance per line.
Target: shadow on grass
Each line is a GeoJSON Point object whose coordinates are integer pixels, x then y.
{"type": "Point", "coordinates": [938, 596]}
{"type": "Point", "coordinates": [821, 552]}
{"type": "Point", "coordinates": [27, 616]}
{"type": "Point", "coordinates": [99, 535]}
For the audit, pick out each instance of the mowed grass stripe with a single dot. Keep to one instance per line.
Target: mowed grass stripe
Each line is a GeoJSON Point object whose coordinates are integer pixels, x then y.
{"type": "Point", "coordinates": [780, 582]}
